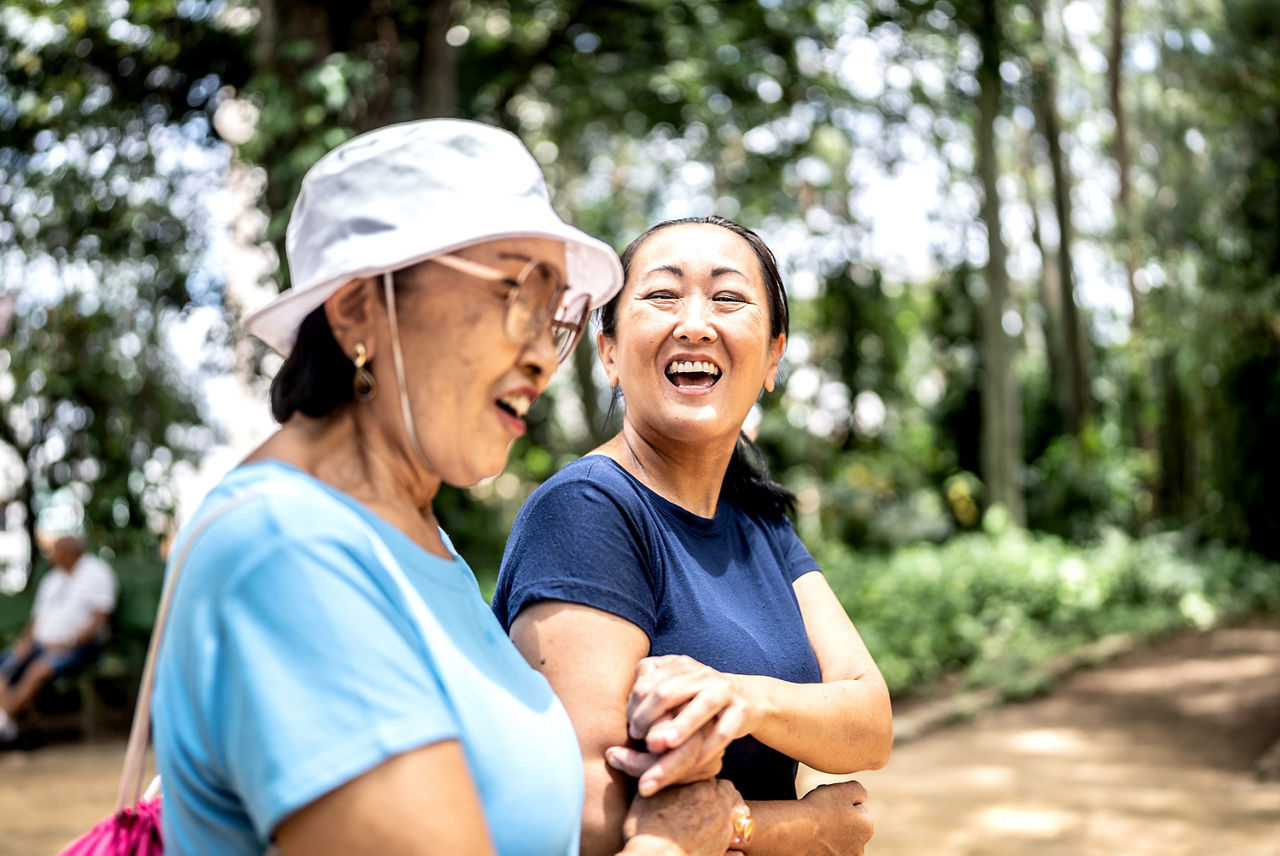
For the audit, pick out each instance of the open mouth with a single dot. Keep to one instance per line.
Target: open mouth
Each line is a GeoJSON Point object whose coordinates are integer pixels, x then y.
{"type": "Point", "coordinates": [693, 374]}
{"type": "Point", "coordinates": [517, 404]}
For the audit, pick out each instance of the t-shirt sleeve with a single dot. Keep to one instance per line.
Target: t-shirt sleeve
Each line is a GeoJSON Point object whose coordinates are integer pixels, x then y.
{"type": "Point", "coordinates": [575, 541]}
{"type": "Point", "coordinates": [796, 558]}
{"type": "Point", "coordinates": [321, 677]}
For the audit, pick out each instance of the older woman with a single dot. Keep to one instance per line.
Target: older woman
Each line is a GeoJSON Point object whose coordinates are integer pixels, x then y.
{"type": "Point", "coordinates": [667, 554]}
{"type": "Point", "coordinates": [331, 680]}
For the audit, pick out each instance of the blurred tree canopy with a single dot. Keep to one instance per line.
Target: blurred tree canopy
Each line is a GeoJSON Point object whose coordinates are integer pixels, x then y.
{"type": "Point", "coordinates": [1032, 244]}
{"type": "Point", "coordinates": [105, 151]}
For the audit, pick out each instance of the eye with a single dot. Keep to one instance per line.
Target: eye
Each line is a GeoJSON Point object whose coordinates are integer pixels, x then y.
{"type": "Point", "coordinates": [729, 297]}
{"type": "Point", "coordinates": [660, 294]}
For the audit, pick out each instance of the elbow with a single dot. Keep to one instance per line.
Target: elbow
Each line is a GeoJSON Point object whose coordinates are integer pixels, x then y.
{"type": "Point", "coordinates": [877, 736]}
{"type": "Point", "coordinates": [881, 747]}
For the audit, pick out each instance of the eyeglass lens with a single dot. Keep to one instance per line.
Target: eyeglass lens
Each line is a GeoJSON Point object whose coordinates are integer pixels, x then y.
{"type": "Point", "coordinates": [532, 305]}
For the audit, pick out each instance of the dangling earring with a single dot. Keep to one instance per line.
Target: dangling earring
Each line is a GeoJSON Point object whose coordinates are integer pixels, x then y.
{"type": "Point", "coordinates": [362, 384]}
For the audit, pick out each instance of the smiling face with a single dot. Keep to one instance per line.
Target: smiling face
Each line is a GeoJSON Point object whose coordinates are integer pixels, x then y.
{"type": "Point", "coordinates": [468, 384]}
{"type": "Point", "coordinates": [692, 346]}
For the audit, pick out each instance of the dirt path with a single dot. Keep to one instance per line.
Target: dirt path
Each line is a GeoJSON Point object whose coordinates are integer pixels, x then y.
{"type": "Point", "coordinates": [1150, 754]}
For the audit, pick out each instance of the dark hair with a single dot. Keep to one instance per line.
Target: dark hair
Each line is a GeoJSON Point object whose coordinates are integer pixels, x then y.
{"type": "Point", "coordinates": [746, 481]}
{"type": "Point", "coordinates": [316, 378]}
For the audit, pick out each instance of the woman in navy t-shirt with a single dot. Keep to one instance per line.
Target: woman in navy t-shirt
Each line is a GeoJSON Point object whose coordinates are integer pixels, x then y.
{"type": "Point", "coordinates": [658, 583]}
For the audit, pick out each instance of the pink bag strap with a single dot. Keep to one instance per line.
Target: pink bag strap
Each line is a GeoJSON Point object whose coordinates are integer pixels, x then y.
{"type": "Point", "coordinates": [135, 753]}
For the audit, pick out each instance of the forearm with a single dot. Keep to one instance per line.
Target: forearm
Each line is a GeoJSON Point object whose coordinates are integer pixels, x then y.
{"type": "Point", "coordinates": [831, 820]}
{"type": "Point", "coordinates": [837, 727]}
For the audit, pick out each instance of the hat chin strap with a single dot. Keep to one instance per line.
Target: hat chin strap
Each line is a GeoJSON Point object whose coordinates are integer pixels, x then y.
{"type": "Point", "coordinates": [407, 412]}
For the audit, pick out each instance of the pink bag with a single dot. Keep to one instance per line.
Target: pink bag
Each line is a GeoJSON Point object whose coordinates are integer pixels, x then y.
{"type": "Point", "coordinates": [132, 831]}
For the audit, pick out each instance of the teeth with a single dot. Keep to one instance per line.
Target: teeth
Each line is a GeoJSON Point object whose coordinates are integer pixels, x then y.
{"type": "Point", "coordinates": [688, 366]}
{"type": "Point", "coordinates": [516, 403]}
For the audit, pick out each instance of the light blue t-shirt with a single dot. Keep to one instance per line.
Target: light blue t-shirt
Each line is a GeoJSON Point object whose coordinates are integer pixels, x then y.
{"type": "Point", "coordinates": [292, 664]}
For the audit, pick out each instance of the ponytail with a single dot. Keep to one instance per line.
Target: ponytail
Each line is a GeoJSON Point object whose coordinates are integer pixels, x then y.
{"type": "Point", "coordinates": [747, 483]}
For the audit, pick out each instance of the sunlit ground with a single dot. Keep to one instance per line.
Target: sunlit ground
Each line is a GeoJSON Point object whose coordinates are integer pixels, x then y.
{"type": "Point", "coordinates": [1152, 756]}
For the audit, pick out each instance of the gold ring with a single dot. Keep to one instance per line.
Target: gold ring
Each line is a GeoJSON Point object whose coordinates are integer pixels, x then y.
{"type": "Point", "coordinates": [743, 825]}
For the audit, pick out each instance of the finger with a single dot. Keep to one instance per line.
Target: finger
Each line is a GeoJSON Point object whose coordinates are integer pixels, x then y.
{"type": "Point", "coordinates": [695, 697]}
{"type": "Point", "coordinates": [634, 729]}
{"type": "Point", "coordinates": [700, 711]}
{"type": "Point", "coordinates": [645, 710]}
{"type": "Point", "coordinates": [858, 792]}
{"type": "Point", "coordinates": [630, 761]}
{"type": "Point", "coordinates": [671, 767]}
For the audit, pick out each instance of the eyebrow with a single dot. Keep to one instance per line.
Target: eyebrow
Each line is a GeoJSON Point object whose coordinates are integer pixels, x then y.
{"type": "Point", "coordinates": [679, 271]}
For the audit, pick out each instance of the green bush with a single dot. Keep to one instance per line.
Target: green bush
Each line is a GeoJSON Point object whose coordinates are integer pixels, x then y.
{"type": "Point", "coordinates": [986, 608]}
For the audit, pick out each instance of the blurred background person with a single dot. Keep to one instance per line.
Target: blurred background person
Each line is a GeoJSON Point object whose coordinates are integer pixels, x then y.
{"type": "Point", "coordinates": [69, 623]}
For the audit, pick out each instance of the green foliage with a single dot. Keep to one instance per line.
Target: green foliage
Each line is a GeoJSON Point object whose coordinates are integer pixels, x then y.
{"type": "Point", "coordinates": [105, 132]}
{"type": "Point", "coordinates": [989, 608]}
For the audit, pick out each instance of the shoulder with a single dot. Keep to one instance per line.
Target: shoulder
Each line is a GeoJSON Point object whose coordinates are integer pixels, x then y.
{"type": "Point", "coordinates": [590, 484]}
{"type": "Point", "coordinates": [254, 518]}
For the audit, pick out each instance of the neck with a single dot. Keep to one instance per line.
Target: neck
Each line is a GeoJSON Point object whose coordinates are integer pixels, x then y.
{"type": "Point", "coordinates": [351, 453]}
{"type": "Point", "coordinates": [689, 475]}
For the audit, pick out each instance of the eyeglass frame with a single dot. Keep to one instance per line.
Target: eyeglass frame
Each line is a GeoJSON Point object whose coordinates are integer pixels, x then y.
{"type": "Point", "coordinates": [523, 338]}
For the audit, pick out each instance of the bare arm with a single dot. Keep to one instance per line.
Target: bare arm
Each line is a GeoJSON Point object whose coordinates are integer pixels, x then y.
{"type": "Point", "coordinates": [424, 802]}
{"type": "Point", "coordinates": [420, 802]}
{"type": "Point", "coordinates": [589, 657]}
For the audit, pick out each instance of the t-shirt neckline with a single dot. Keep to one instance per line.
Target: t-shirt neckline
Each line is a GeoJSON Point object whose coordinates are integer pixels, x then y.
{"type": "Point", "coordinates": [680, 514]}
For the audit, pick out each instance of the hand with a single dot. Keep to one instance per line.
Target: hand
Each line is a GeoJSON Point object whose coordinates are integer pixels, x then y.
{"type": "Point", "coordinates": [699, 818]}
{"type": "Point", "coordinates": [698, 758]}
{"type": "Point", "coordinates": [686, 713]}
{"type": "Point", "coordinates": [843, 824]}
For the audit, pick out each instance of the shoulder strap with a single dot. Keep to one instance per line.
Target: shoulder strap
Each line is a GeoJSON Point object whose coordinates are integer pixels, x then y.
{"type": "Point", "coordinates": [140, 731]}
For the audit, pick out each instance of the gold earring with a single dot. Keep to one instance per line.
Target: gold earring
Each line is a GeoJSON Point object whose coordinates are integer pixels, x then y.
{"type": "Point", "coordinates": [362, 384]}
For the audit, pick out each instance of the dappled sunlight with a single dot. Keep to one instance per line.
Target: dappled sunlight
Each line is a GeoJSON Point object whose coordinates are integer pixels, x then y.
{"type": "Point", "coordinates": [1194, 673]}
{"type": "Point", "coordinates": [1029, 822]}
{"type": "Point", "coordinates": [1057, 741]}
{"type": "Point", "coordinates": [989, 777]}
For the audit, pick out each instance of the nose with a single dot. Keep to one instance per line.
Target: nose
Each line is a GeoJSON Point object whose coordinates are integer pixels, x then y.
{"type": "Point", "coordinates": [540, 356]}
{"type": "Point", "coordinates": [694, 323]}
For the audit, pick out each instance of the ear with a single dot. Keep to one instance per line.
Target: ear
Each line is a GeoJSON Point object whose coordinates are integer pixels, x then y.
{"type": "Point", "coordinates": [606, 348]}
{"type": "Point", "coordinates": [351, 312]}
{"type": "Point", "coordinates": [775, 358]}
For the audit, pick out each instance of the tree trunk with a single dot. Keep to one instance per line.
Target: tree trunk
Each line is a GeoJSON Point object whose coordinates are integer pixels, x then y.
{"type": "Point", "coordinates": [1124, 207]}
{"type": "Point", "coordinates": [1001, 405]}
{"type": "Point", "coordinates": [1075, 394]}
{"type": "Point", "coordinates": [437, 93]}
{"type": "Point", "coordinates": [1174, 443]}
{"type": "Point", "coordinates": [1050, 291]}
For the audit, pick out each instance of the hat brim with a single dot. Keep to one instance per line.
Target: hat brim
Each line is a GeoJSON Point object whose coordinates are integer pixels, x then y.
{"type": "Point", "coordinates": [592, 268]}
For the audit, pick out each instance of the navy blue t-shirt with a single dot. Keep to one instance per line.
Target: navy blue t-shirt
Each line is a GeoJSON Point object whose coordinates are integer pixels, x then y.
{"type": "Point", "coordinates": [718, 590]}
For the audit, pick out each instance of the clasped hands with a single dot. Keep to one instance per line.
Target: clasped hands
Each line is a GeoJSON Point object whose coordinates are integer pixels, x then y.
{"type": "Point", "coordinates": [685, 714]}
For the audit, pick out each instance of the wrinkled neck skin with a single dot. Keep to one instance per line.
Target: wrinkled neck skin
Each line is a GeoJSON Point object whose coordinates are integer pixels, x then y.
{"type": "Point", "coordinates": [352, 452]}
{"type": "Point", "coordinates": [688, 474]}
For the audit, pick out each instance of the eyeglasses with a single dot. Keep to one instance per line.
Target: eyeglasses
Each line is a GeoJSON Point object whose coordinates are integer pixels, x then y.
{"type": "Point", "coordinates": [533, 303]}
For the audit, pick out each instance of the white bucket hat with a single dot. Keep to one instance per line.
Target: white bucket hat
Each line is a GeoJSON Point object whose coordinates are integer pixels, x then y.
{"type": "Point", "coordinates": [399, 195]}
